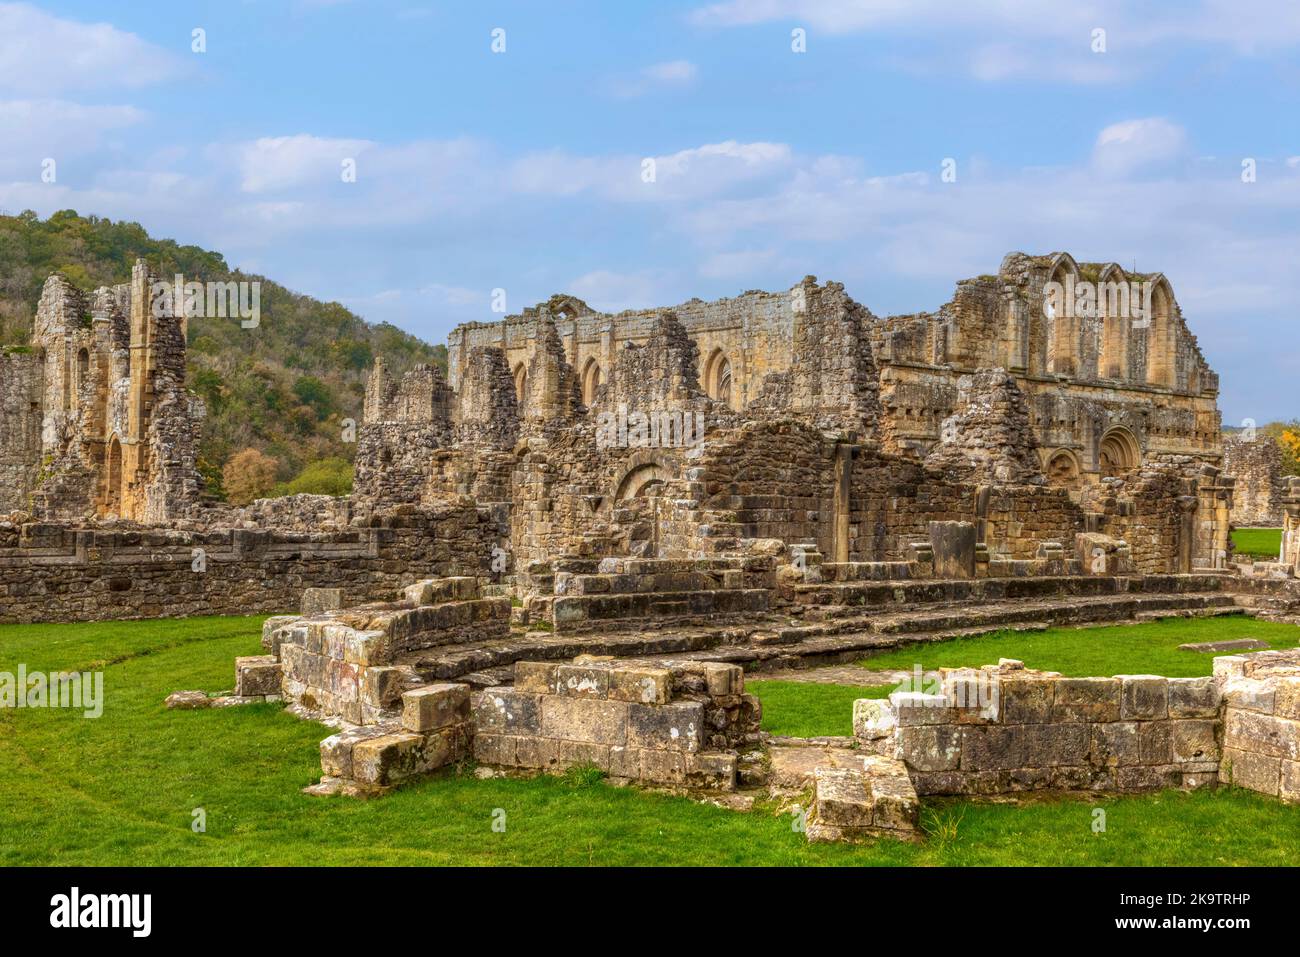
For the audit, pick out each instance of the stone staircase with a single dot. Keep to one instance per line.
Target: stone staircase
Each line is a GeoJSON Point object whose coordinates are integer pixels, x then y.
{"type": "Point", "coordinates": [905, 613]}
{"type": "Point", "coordinates": [624, 593]}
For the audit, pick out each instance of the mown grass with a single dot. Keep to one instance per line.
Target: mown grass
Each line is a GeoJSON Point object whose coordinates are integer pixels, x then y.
{"type": "Point", "coordinates": [1149, 648]}
{"type": "Point", "coordinates": [122, 789]}
{"type": "Point", "coordinates": [1257, 542]}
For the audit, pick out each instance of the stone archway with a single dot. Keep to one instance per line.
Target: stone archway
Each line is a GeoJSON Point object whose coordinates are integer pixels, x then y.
{"type": "Point", "coordinates": [521, 386]}
{"type": "Point", "coordinates": [591, 380]}
{"type": "Point", "coordinates": [717, 378]}
{"type": "Point", "coordinates": [1119, 453]}
{"type": "Point", "coordinates": [641, 481]}
{"type": "Point", "coordinates": [1063, 470]}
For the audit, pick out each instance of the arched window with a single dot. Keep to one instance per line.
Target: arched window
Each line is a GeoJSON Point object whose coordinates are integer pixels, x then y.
{"type": "Point", "coordinates": [521, 385]}
{"type": "Point", "coordinates": [83, 368]}
{"type": "Point", "coordinates": [113, 479]}
{"type": "Point", "coordinates": [591, 378]}
{"type": "Point", "coordinates": [1161, 345]}
{"type": "Point", "coordinates": [717, 377]}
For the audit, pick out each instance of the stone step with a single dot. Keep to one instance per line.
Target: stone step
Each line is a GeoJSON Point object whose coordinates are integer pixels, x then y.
{"type": "Point", "coordinates": [923, 591]}
{"type": "Point", "coordinates": [628, 583]}
{"type": "Point", "coordinates": [573, 613]}
{"type": "Point", "coordinates": [1063, 611]}
{"type": "Point", "coordinates": [771, 644]}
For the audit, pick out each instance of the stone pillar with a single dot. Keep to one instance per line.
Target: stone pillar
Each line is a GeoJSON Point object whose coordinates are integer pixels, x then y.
{"type": "Point", "coordinates": [953, 544]}
{"type": "Point", "coordinates": [842, 504]}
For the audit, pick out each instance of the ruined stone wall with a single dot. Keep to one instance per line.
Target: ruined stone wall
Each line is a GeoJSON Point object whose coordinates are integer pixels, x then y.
{"type": "Point", "coordinates": [1257, 467]}
{"type": "Point", "coordinates": [1006, 728]}
{"type": "Point", "coordinates": [63, 573]}
{"type": "Point", "coordinates": [20, 428]}
{"type": "Point", "coordinates": [639, 722]}
{"type": "Point", "coordinates": [740, 339]}
{"type": "Point", "coordinates": [1261, 733]}
{"type": "Point", "coordinates": [405, 425]}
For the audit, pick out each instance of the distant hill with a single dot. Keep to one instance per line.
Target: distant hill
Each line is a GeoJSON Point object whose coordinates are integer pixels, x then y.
{"type": "Point", "coordinates": [282, 388]}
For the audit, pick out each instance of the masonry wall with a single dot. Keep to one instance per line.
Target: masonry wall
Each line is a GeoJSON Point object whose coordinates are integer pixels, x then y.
{"type": "Point", "coordinates": [20, 428]}
{"type": "Point", "coordinates": [1040, 731]}
{"type": "Point", "coordinates": [62, 573]}
{"type": "Point", "coordinates": [1257, 494]}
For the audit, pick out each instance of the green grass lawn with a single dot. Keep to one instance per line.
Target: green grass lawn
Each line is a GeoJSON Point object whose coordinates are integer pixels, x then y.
{"type": "Point", "coordinates": [1145, 649]}
{"type": "Point", "coordinates": [1257, 542]}
{"type": "Point", "coordinates": [121, 789]}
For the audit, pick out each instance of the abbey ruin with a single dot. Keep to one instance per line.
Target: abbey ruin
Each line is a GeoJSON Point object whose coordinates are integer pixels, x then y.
{"type": "Point", "coordinates": [571, 547]}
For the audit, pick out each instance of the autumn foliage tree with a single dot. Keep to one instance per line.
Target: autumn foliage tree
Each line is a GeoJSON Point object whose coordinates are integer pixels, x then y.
{"type": "Point", "coordinates": [248, 475]}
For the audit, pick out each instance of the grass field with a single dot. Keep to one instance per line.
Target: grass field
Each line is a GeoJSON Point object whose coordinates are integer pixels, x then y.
{"type": "Point", "coordinates": [123, 788]}
{"type": "Point", "coordinates": [1257, 542]}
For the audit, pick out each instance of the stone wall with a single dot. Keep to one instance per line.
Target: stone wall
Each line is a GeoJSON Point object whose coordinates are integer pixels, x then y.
{"type": "Point", "coordinates": [1256, 464]}
{"type": "Point", "coordinates": [1006, 728]}
{"type": "Point", "coordinates": [677, 725]}
{"type": "Point", "coordinates": [20, 428]}
{"type": "Point", "coordinates": [63, 573]}
{"type": "Point", "coordinates": [1261, 733]}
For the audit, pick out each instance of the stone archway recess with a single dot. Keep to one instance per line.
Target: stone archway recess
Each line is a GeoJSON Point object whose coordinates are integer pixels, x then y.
{"type": "Point", "coordinates": [1119, 453]}
{"type": "Point", "coordinates": [1063, 470]}
{"type": "Point", "coordinates": [716, 377]}
{"type": "Point", "coordinates": [113, 486]}
{"type": "Point", "coordinates": [591, 379]}
{"type": "Point", "coordinates": [521, 385]}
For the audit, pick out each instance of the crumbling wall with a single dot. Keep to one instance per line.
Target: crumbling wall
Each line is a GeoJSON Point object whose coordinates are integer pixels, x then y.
{"type": "Point", "coordinates": [1005, 728]}
{"type": "Point", "coordinates": [637, 721]}
{"type": "Point", "coordinates": [406, 424]}
{"type": "Point", "coordinates": [60, 573]}
{"type": "Point", "coordinates": [1256, 465]}
{"type": "Point", "coordinates": [20, 428]}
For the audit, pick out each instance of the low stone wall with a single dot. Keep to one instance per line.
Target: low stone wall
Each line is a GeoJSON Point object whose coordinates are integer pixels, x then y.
{"type": "Point", "coordinates": [677, 726]}
{"type": "Point", "coordinates": [1005, 728]}
{"type": "Point", "coordinates": [55, 572]}
{"type": "Point", "coordinates": [1261, 723]}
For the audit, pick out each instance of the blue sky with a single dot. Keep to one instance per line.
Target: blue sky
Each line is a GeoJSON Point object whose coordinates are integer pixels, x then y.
{"type": "Point", "coordinates": [522, 170]}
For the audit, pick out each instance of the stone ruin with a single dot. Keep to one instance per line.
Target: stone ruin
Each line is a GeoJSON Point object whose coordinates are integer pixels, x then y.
{"type": "Point", "coordinates": [570, 549]}
{"type": "Point", "coordinates": [95, 419]}
{"type": "Point", "coordinates": [1256, 465]}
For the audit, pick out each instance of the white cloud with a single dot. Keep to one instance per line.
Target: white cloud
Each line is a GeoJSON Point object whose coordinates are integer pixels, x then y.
{"type": "Point", "coordinates": [283, 162]}
{"type": "Point", "coordinates": [34, 130]}
{"type": "Point", "coordinates": [44, 54]}
{"type": "Point", "coordinates": [1028, 38]}
{"type": "Point", "coordinates": [611, 291]}
{"type": "Point", "coordinates": [1132, 145]}
{"type": "Point", "coordinates": [672, 74]}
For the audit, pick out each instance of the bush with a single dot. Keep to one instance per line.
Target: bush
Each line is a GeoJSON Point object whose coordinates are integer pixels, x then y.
{"type": "Point", "coordinates": [324, 477]}
{"type": "Point", "coordinates": [248, 475]}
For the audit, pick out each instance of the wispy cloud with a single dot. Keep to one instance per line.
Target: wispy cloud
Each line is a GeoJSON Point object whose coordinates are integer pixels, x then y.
{"type": "Point", "coordinates": [42, 54]}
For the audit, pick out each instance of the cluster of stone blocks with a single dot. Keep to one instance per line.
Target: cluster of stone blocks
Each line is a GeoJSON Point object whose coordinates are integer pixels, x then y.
{"type": "Point", "coordinates": [433, 730]}
{"type": "Point", "coordinates": [876, 800]}
{"type": "Point", "coordinates": [346, 663]}
{"type": "Point", "coordinates": [670, 726]}
{"type": "Point", "coordinates": [1261, 723]}
{"type": "Point", "coordinates": [1006, 728]}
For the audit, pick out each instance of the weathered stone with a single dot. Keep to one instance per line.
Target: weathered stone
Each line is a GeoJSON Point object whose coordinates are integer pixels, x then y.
{"type": "Point", "coordinates": [1094, 700]}
{"type": "Point", "coordinates": [257, 675]}
{"type": "Point", "coordinates": [1143, 697]}
{"type": "Point", "coordinates": [435, 706]}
